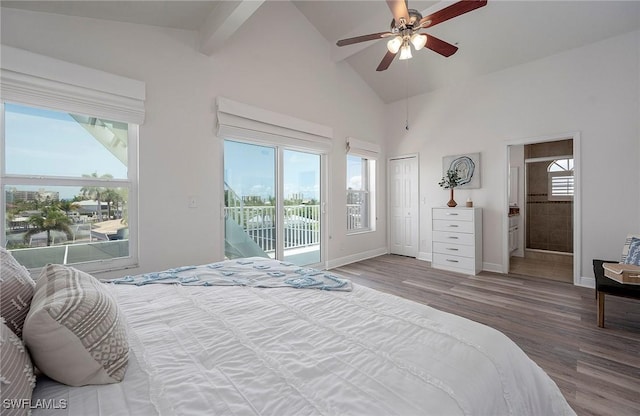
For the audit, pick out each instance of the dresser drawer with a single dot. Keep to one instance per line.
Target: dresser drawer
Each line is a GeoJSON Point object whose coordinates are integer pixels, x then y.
{"type": "Point", "coordinates": [454, 237]}
{"type": "Point", "coordinates": [453, 226]}
{"type": "Point", "coordinates": [454, 249]}
{"type": "Point", "coordinates": [453, 214]}
{"type": "Point", "coordinates": [444, 260]}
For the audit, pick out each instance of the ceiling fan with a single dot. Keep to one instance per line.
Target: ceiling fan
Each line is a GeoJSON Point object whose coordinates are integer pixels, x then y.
{"type": "Point", "coordinates": [405, 28]}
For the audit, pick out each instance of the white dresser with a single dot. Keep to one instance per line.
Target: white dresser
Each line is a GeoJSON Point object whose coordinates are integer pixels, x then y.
{"type": "Point", "coordinates": [457, 239]}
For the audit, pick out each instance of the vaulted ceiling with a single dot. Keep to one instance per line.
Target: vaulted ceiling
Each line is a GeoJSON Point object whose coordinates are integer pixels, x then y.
{"type": "Point", "coordinates": [500, 35]}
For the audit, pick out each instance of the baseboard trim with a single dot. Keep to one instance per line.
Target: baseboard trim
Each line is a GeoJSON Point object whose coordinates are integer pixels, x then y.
{"type": "Point", "coordinates": [492, 267]}
{"type": "Point", "coordinates": [425, 256]}
{"type": "Point", "coordinates": [343, 261]}
{"type": "Point", "coordinates": [586, 281]}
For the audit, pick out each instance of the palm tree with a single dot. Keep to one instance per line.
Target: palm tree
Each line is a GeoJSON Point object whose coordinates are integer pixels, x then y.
{"type": "Point", "coordinates": [67, 206]}
{"type": "Point", "coordinates": [112, 197]}
{"type": "Point", "coordinates": [50, 219]}
{"type": "Point", "coordinates": [95, 192]}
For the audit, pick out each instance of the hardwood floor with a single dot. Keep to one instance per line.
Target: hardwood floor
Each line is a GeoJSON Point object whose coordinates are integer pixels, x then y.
{"type": "Point", "coordinates": [550, 266]}
{"type": "Point", "coordinates": [597, 369]}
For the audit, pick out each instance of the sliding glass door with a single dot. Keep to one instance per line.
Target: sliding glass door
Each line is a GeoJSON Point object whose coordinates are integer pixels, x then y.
{"type": "Point", "coordinates": [301, 200]}
{"type": "Point", "coordinates": [272, 203]}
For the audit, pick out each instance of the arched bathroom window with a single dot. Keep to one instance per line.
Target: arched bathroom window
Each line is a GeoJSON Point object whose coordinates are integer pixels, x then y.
{"type": "Point", "coordinates": [560, 179]}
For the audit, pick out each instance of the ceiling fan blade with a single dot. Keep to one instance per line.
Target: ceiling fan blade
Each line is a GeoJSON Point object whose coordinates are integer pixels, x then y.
{"type": "Point", "coordinates": [363, 38]}
{"type": "Point", "coordinates": [386, 61]}
{"type": "Point", "coordinates": [449, 12]}
{"type": "Point", "coordinates": [443, 48]}
{"type": "Point", "coordinates": [399, 10]}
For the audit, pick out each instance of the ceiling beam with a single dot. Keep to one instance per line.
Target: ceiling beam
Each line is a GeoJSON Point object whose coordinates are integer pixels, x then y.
{"type": "Point", "coordinates": [223, 21]}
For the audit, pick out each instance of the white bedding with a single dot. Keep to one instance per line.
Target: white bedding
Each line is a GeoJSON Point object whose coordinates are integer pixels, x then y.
{"type": "Point", "coordinates": [230, 350]}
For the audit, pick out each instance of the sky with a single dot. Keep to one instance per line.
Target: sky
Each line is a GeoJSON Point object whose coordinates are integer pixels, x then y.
{"type": "Point", "coordinates": [41, 142]}
{"type": "Point", "coordinates": [250, 171]}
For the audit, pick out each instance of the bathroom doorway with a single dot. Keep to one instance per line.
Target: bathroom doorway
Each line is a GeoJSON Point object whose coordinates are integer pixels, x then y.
{"type": "Point", "coordinates": [542, 213]}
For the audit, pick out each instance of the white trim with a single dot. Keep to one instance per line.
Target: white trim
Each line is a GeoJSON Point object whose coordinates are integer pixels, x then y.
{"type": "Point", "coordinates": [585, 281]}
{"type": "Point", "coordinates": [239, 120]}
{"type": "Point", "coordinates": [41, 81]}
{"type": "Point", "coordinates": [578, 279]}
{"type": "Point", "coordinates": [363, 149]}
{"type": "Point", "coordinates": [492, 267]}
{"type": "Point", "coordinates": [369, 254]}
{"type": "Point", "coordinates": [425, 256]}
{"type": "Point", "coordinates": [547, 158]}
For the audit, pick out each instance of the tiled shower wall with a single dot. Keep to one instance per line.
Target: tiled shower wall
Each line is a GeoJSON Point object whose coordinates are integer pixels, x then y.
{"type": "Point", "coordinates": [549, 224]}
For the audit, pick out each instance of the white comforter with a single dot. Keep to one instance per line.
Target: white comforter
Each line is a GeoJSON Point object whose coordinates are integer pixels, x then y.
{"type": "Point", "coordinates": [281, 351]}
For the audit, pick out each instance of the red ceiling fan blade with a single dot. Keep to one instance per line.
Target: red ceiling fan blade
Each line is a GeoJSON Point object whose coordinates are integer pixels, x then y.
{"type": "Point", "coordinates": [452, 11]}
{"type": "Point", "coordinates": [363, 38]}
{"type": "Point", "coordinates": [399, 10]}
{"type": "Point", "coordinates": [443, 48]}
{"type": "Point", "coordinates": [386, 61]}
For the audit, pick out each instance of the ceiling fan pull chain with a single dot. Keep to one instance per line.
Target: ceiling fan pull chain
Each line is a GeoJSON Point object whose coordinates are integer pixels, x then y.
{"type": "Point", "coordinates": [406, 126]}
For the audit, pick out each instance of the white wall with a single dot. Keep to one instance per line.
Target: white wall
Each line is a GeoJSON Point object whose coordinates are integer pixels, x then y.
{"type": "Point", "coordinates": [594, 90]}
{"type": "Point", "coordinates": [262, 65]}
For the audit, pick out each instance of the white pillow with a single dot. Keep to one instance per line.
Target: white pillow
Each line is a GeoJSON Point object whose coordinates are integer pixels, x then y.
{"type": "Point", "coordinates": [16, 291]}
{"type": "Point", "coordinates": [74, 330]}
{"type": "Point", "coordinates": [16, 374]}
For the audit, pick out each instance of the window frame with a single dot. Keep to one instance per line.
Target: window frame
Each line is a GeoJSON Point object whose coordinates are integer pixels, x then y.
{"type": "Point", "coordinates": [367, 194]}
{"type": "Point", "coordinates": [130, 183]}
{"type": "Point", "coordinates": [562, 172]}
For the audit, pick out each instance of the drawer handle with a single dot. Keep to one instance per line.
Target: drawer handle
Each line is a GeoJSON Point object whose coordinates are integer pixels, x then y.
{"type": "Point", "coordinates": [452, 261]}
{"type": "Point", "coordinates": [453, 238]}
{"type": "Point", "coordinates": [453, 225]}
{"type": "Point", "coordinates": [452, 213]}
{"type": "Point", "coordinates": [453, 249]}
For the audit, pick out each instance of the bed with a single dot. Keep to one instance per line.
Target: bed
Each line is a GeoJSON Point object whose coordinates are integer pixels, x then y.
{"type": "Point", "coordinates": [242, 344]}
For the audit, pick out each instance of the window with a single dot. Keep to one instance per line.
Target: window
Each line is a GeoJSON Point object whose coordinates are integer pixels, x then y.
{"type": "Point", "coordinates": [68, 188]}
{"type": "Point", "coordinates": [560, 180]}
{"type": "Point", "coordinates": [360, 186]}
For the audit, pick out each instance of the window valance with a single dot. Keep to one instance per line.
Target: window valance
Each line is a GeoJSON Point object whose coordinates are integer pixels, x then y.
{"type": "Point", "coordinates": [363, 149]}
{"type": "Point", "coordinates": [244, 121]}
{"type": "Point", "coordinates": [33, 79]}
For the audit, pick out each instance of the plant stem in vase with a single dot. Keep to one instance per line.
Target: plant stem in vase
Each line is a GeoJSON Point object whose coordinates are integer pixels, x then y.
{"type": "Point", "coordinates": [451, 202]}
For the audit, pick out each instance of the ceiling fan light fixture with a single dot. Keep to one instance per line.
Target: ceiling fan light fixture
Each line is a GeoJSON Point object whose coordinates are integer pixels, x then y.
{"type": "Point", "coordinates": [405, 52]}
{"type": "Point", "coordinates": [394, 44]}
{"type": "Point", "coordinates": [418, 40]}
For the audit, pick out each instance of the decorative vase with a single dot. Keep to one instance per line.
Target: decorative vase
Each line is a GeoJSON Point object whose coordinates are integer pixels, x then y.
{"type": "Point", "coordinates": [451, 202]}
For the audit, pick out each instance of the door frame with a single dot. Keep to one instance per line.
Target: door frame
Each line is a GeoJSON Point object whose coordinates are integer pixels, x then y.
{"type": "Point", "coordinates": [578, 280]}
{"type": "Point", "coordinates": [415, 156]}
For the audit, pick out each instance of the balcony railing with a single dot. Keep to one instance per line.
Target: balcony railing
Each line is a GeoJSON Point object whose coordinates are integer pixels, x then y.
{"type": "Point", "coordinates": [301, 224]}
{"type": "Point", "coordinates": [354, 217]}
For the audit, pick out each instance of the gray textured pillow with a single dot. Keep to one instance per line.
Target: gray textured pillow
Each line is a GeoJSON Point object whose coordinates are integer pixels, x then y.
{"type": "Point", "coordinates": [74, 330]}
{"type": "Point", "coordinates": [16, 291]}
{"type": "Point", "coordinates": [16, 374]}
